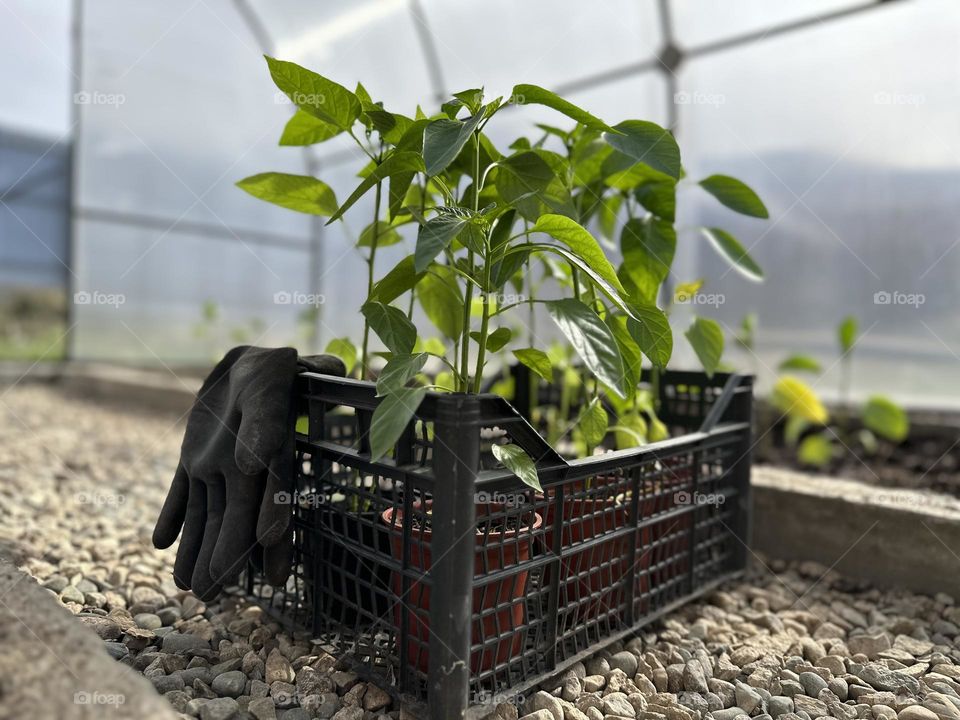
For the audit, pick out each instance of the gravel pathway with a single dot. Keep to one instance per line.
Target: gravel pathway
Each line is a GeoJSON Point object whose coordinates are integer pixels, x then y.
{"type": "Point", "coordinates": [80, 485]}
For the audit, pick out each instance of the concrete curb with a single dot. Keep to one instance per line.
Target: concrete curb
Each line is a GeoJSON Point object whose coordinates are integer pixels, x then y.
{"type": "Point", "coordinates": [887, 536]}
{"type": "Point", "coordinates": [51, 666]}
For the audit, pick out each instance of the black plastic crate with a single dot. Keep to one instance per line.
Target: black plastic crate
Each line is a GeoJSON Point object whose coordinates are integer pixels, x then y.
{"type": "Point", "coordinates": [449, 582]}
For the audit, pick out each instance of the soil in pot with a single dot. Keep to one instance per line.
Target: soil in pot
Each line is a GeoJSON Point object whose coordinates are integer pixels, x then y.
{"type": "Point", "coordinates": [497, 539]}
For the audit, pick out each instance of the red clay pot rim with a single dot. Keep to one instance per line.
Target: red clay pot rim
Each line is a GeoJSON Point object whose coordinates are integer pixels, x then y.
{"type": "Point", "coordinates": [388, 515]}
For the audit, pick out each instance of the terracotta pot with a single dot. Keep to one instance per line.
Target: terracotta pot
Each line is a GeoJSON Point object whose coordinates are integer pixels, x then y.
{"type": "Point", "coordinates": [503, 551]}
{"type": "Point", "coordinates": [598, 591]}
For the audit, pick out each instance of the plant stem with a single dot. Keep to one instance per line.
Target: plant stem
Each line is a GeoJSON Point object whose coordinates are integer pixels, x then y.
{"type": "Point", "coordinates": [365, 370]}
{"type": "Point", "coordinates": [468, 294]}
{"type": "Point", "coordinates": [484, 324]}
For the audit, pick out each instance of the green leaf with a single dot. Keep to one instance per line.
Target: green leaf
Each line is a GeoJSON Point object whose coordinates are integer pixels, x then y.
{"type": "Point", "coordinates": [660, 198]}
{"type": "Point", "coordinates": [295, 192]}
{"type": "Point", "coordinates": [536, 360]}
{"type": "Point", "coordinates": [400, 162]}
{"type": "Point", "coordinates": [803, 363]}
{"type": "Point", "coordinates": [649, 326]}
{"type": "Point", "coordinates": [591, 339]}
{"type": "Point", "coordinates": [735, 195]}
{"type": "Point", "coordinates": [706, 338]}
{"type": "Point", "coordinates": [385, 232]}
{"type": "Point", "coordinates": [795, 398]}
{"type": "Point", "coordinates": [578, 239]}
{"type": "Point", "coordinates": [886, 419]}
{"type": "Point", "coordinates": [648, 143]}
{"type": "Point", "coordinates": [395, 283]}
{"type": "Point", "coordinates": [648, 247]}
{"type": "Point", "coordinates": [815, 450]}
{"type": "Point", "coordinates": [398, 371]}
{"type": "Point", "coordinates": [434, 237]}
{"type": "Point", "coordinates": [439, 295]}
{"type": "Point", "coordinates": [523, 180]}
{"type": "Point", "coordinates": [495, 340]}
{"type": "Point", "coordinates": [315, 94]}
{"type": "Point", "coordinates": [593, 423]}
{"type": "Point", "coordinates": [344, 349]}
{"type": "Point", "coordinates": [609, 214]}
{"type": "Point", "coordinates": [793, 428]}
{"type": "Point", "coordinates": [525, 94]}
{"type": "Point", "coordinates": [847, 333]}
{"type": "Point", "coordinates": [734, 253]}
{"type": "Point", "coordinates": [391, 326]}
{"type": "Point", "coordinates": [629, 350]}
{"type": "Point", "coordinates": [304, 129]}
{"type": "Point", "coordinates": [391, 418]}
{"type": "Point", "coordinates": [631, 431]}
{"type": "Point", "coordinates": [519, 463]}
{"type": "Point", "coordinates": [444, 139]}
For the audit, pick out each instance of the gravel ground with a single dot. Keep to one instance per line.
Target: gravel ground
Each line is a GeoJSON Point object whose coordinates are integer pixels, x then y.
{"type": "Point", "coordinates": [80, 485]}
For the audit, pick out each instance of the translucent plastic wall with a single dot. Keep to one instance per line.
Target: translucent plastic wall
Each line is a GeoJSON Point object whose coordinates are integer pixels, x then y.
{"type": "Point", "coordinates": [844, 116]}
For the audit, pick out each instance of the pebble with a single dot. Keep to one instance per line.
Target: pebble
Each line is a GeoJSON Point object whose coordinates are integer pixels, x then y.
{"type": "Point", "coordinates": [148, 621]}
{"type": "Point", "coordinates": [219, 709]}
{"type": "Point", "coordinates": [544, 701]}
{"type": "Point", "coordinates": [230, 684]}
{"type": "Point", "coordinates": [847, 651]}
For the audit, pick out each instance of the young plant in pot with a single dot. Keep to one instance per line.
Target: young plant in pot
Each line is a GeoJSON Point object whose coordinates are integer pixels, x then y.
{"type": "Point", "coordinates": [626, 182]}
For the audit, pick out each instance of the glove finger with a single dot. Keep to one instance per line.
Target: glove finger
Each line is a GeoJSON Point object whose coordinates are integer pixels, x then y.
{"type": "Point", "coordinates": [323, 364]}
{"type": "Point", "coordinates": [264, 387]}
{"type": "Point", "coordinates": [193, 528]}
{"type": "Point", "coordinates": [277, 505]}
{"type": "Point", "coordinates": [174, 510]}
{"type": "Point", "coordinates": [277, 561]}
{"type": "Point", "coordinates": [205, 586]}
{"type": "Point", "coordinates": [238, 532]}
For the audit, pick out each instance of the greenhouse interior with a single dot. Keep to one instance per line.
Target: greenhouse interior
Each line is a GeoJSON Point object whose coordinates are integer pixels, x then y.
{"type": "Point", "coordinates": [437, 359]}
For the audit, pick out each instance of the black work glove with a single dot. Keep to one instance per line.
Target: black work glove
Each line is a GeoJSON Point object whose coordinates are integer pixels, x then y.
{"type": "Point", "coordinates": [238, 452]}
